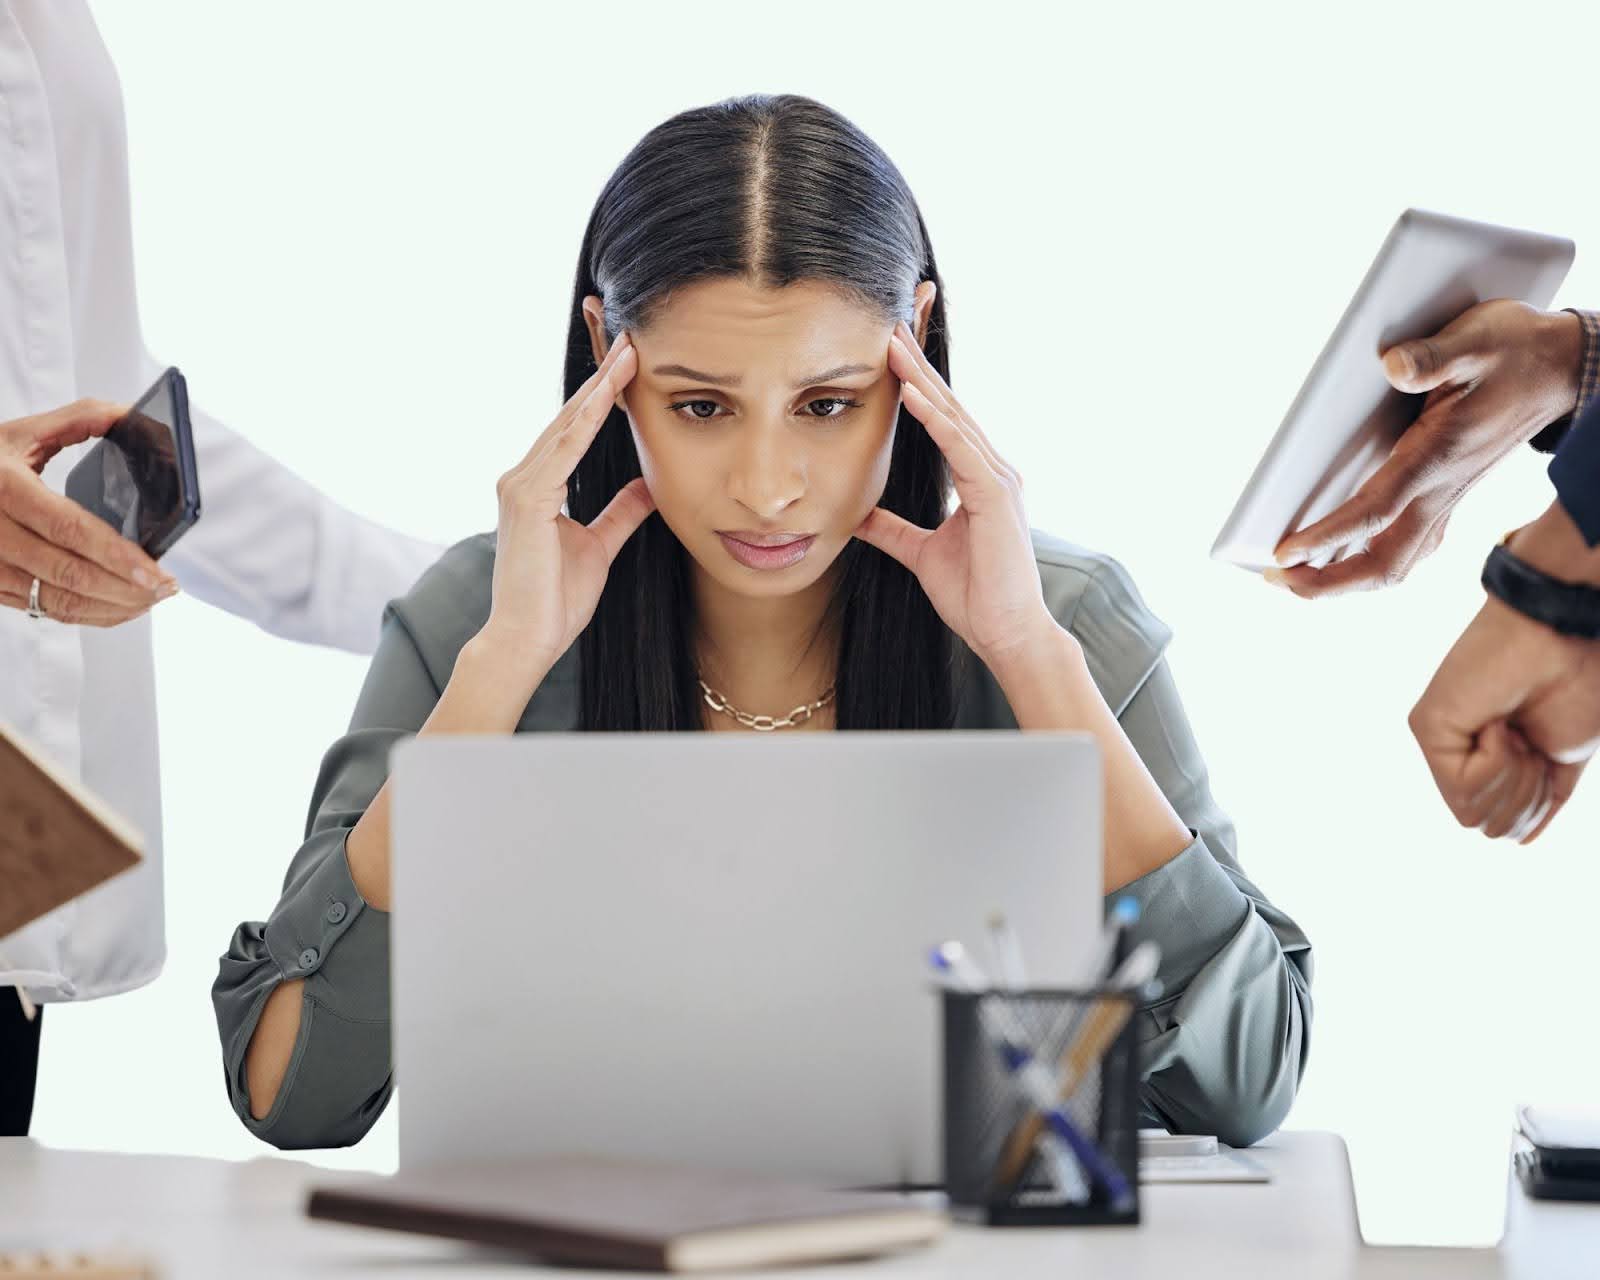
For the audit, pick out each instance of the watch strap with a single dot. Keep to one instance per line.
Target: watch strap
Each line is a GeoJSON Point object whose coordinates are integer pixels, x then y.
{"type": "Point", "coordinates": [1571, 608]}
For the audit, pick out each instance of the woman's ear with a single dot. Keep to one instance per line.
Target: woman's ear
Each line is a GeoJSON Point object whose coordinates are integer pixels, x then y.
{"type": "Point", "coordinates": [921, 309]}
{"type": "Point", "coordinates": [594, 315]}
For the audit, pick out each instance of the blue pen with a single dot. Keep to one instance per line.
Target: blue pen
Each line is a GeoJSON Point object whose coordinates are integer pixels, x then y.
{"type": "Point", "coordinates": [958, 973]}
{"type": "Point", "coordinates": [1031, 1078]}
{"type": "Point", "coordinates": [1124, 914]}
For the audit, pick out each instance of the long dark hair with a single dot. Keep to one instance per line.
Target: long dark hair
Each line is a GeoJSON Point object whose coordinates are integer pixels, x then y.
{"type": "Point", "coordinates": [777, 190]}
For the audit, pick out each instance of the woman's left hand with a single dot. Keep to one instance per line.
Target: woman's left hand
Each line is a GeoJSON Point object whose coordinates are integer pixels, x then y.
{"type": "Point", "coordinates": [977, 567]}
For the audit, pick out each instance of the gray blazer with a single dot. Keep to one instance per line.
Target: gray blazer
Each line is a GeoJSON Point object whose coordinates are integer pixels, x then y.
{"type": "Point", "coordinates": [1223, 1046]}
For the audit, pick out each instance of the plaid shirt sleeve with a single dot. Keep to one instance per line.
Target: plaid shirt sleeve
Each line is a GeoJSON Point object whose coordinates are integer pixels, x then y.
{"type": "Point", "coordinates": [1550, 438]}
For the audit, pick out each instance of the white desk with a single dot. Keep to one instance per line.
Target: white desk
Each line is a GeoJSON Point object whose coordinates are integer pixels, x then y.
{"type": "Point", "coordinates": [212, 1218]}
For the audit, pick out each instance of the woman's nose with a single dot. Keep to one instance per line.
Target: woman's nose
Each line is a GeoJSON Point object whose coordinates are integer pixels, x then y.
{"type": "Point", "coordinates": [768, 475]}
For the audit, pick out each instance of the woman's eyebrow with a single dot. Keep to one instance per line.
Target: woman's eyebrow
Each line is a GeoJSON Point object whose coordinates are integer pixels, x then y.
{"type": "Point", "coordinates": [694, 375]}
{"type": "Point", "coordinates": [728, 380]}
{"type": "Point", "coordinates": [828, 375]}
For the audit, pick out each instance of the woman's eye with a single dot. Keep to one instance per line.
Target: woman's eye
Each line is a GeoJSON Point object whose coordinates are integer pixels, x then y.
{"type": "Point", "coordinates": [830, 407]}
{"type": "Point", "coordinates": [701, 409]}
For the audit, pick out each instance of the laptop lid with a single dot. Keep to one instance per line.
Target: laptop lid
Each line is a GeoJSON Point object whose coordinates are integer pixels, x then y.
{"type": "Point", "coordinates": [712, 948]}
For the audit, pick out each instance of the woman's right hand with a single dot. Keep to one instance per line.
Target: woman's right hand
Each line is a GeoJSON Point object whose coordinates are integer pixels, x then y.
{"type": "Point", "coordinates": [548, 574]}
{"type": "Point", "coordinates": [88, 574]}
{"type": "Point", "coordinates": [549, 569]}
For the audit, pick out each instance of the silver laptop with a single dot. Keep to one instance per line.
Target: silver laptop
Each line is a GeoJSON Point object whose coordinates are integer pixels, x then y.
{"type": "Point", "coordinates": [713, 948]}
{"type": "Point", "coordinates": [1346, 418]}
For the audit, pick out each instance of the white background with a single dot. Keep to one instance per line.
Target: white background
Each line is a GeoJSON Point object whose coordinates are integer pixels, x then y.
{"type": "Point", "coordinates": [356, 227]}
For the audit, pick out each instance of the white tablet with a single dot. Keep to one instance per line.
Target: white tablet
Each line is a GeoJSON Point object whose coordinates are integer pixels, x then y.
{"type": "Point", "coordinates": [1346, 417]}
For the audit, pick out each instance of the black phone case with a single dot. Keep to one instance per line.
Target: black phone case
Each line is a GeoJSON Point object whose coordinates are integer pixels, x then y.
{"type": "Point", "coordinates": [81, 480]}
{"type": "Point", "coordinates": [1543, 1181]}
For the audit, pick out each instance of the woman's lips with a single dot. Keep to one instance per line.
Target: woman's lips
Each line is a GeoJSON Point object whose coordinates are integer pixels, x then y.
{"type": "Point", "coordinates": [767, 551]}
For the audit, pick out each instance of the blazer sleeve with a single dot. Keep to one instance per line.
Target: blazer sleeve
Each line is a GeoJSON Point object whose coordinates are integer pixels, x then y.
{"type": "Point", "coordinates": [1225, 1042]}
{"type": "Point", "coordinates": [340, 1076]}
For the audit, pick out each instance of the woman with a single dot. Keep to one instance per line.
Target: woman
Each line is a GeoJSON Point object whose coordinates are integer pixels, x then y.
{"type": "Point", "coordinates": [77, 671]}
{"type": "Point", "coordinates": [757, 455]}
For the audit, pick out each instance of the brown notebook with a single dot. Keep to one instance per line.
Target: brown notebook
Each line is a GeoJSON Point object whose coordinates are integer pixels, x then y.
{"type": "Point", "coordinates": [581, 1209]}
{"type": "Point", "coordinates": [56, 838]}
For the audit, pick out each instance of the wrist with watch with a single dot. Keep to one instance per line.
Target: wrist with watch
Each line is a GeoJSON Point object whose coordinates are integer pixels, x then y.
{"type": "Point", "coordinates": [1569, 608]}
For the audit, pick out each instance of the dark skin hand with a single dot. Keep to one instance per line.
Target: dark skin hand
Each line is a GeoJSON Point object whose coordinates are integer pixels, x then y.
{"type": "Point", "coordinates": [1494, 377]}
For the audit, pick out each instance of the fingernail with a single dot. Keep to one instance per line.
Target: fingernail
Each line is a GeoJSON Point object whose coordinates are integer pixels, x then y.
{"type": "Point", "coordinates": [168, 590]}
{"type": "Point", "coordinates": [1275, 577]}
{"type": "Point", "coordinates": [146, 579]}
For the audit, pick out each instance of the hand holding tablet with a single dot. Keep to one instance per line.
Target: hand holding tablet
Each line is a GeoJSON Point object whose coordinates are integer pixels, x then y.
{"type": "Point", "coordinates": [1421, 388]}
{"type": "Point", "coordinates": [1493, 379]}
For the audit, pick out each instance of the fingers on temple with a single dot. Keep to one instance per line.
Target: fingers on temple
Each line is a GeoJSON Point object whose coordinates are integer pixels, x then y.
{"type": "Point", "coordinates": [967, 462]}
{"type": "Point", "coordinates": [621, 353]}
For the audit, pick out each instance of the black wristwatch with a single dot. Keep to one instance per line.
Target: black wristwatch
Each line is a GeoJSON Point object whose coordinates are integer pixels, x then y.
{"type": "Point", "coordinates": [1571, 608]}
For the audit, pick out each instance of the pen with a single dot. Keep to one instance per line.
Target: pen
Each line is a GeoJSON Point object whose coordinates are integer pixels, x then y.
{"type": "Point", "coordinates": [1124, 914]}
{"type": "Point", "coordinates": [1032, 1080]}
{"type": "Point", "coordinates": [958, 972]}
{"type": "Point", "coordinates": [1109, 952]}
{"type": "Point", "coordinates": [1103, 1023]}
{"type": "Point", "coordinates": [1007, 953]}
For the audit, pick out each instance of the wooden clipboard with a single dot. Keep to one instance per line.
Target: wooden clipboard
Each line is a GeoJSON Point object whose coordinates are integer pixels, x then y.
{"type": "Point", "coordinates": [57, 839]}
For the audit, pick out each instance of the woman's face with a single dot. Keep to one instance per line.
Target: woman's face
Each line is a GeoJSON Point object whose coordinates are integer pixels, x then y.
{"type": "Point", "coordinates": [764, 420]}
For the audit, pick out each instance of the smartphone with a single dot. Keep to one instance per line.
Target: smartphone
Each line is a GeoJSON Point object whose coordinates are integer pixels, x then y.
{"type": "Point", "coordinates": [1547, 1179]}
{"type": "Point", "coordinates": [140, 478]}
{"type": "Point", "coordinates": [1563, 1158]}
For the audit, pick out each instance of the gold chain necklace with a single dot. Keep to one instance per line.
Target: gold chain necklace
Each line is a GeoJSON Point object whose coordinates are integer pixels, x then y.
{"type": "Point", "coordinates": [765, 724]}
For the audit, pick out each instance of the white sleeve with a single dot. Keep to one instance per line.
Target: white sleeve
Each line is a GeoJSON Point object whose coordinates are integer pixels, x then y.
{"type": "Point", "coordinates": [269, 547]}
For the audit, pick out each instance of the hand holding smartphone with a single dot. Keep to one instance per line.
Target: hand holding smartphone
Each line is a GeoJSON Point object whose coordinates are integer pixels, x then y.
{"type": "Point", "coordinates": [141, 477]}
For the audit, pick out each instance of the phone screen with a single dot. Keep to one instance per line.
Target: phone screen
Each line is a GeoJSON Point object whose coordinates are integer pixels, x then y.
{"type": "Point", "coordinates": [137, 486]}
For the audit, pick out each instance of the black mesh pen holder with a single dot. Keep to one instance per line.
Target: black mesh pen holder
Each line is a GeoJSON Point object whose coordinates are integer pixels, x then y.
{"type": "Point", "coordinates": [1005, 1162]}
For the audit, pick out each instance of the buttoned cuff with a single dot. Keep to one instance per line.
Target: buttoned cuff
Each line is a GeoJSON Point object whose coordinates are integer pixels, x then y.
{"type": "Point", "coordinates": [1191, 908]}
{"type": "Point", "coordinates": [324, 931]}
